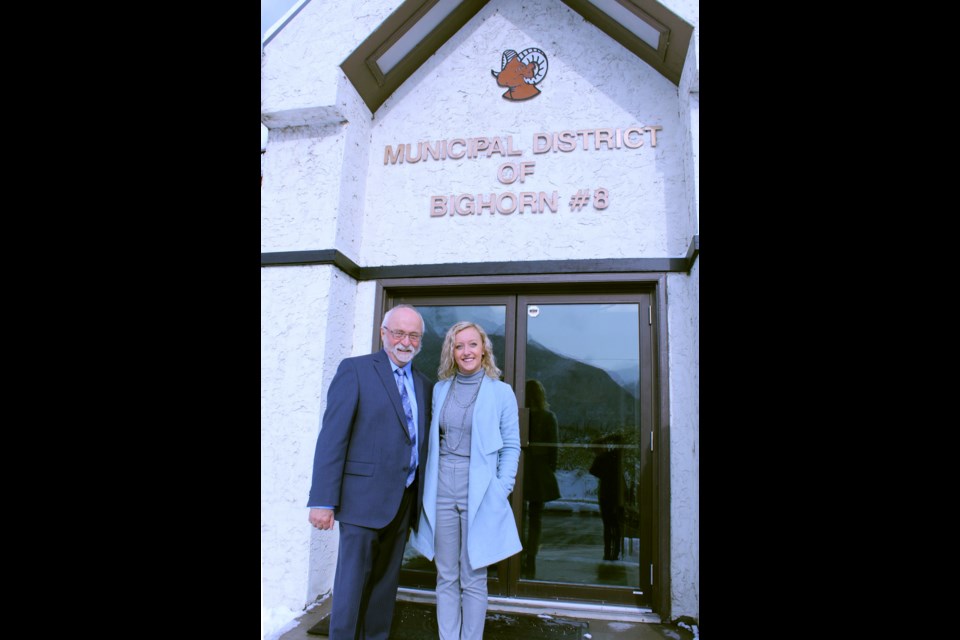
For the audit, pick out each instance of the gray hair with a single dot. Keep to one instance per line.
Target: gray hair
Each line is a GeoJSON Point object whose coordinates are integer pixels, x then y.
{"type": "Point", "coordinates": [386, 316]}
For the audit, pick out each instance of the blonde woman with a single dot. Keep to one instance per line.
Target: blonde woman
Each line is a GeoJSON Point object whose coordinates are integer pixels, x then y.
{"type": "Point", "coordinates": [473, 451]}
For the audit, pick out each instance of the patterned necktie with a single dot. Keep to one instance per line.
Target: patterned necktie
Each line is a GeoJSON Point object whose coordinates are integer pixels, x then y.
{"type": "Point", "coordinates": [411, 427]}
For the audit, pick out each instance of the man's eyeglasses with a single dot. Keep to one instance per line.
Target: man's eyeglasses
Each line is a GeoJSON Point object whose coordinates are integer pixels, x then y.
{"type": "Point", "coordinates": [400, 335]}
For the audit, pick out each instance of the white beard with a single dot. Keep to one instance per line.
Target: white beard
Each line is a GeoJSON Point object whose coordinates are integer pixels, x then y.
{"type": "Point", "coordinates": [404, 356]}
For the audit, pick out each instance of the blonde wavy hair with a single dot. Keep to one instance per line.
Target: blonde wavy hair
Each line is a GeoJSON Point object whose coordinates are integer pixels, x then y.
{"type": "Point", "coordinates": [448, 364]}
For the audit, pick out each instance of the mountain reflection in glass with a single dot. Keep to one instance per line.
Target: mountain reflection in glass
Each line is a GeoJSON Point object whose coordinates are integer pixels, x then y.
{"type": "Point", "coordinates": [580, 472]}
{"type": "Point", "coordinates": [437, 319]}
{"type": "Point", "coordinates": [586, 357]}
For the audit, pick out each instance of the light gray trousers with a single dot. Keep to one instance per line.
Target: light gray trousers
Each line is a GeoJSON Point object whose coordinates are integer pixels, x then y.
{"type": "Point", "coordinates": [461, 591]}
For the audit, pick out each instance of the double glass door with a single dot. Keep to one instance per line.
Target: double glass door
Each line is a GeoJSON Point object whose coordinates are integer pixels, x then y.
{"type": "Point", "coordinates": [581, 368]}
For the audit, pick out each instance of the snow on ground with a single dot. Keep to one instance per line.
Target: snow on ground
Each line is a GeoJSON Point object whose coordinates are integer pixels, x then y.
{"type": "Point", "coordinates": [277, 621]}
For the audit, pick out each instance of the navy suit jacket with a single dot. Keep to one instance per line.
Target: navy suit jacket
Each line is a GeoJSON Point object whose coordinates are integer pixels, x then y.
{"type": "Point", "coordinates": [363, 451]}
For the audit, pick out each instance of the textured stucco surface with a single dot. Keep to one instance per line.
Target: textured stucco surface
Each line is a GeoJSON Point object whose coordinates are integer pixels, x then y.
{"type": "Point", "coordinates": [353, 170]}
{"type": "Point", "coordinates": [300, 70]}
{"type": "Point", "coordinates": [301, 183]}
{"type": "Point", "coordinates": [306, 322]}
{"type": "Point", "coordinates": [689, 10]}
{"type": "Point", "coordinates": [689, 98]}
{"type": "Point", "coordinates": [363, 321]}
{"type": "Point", "coordinates": [692, 158]}
{"type": "Point", "coordinates": [315, 165]}
{"type": "Point", "coordinates": [683, 336]}
{"type": "Point", "coordinates": [340, 324]}
{"type": "Point", "coordinates": [324, 163]}
{"type": "Point", "coordinates": [684, 344]}
{"type": "Point", "coordinates": [314, 180]}
{"type": "Point", "coordinates": [592, 82]}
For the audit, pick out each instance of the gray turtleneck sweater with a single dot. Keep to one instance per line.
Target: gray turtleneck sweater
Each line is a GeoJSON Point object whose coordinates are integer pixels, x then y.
{"type": "Point", "coordinates": [456, 416]}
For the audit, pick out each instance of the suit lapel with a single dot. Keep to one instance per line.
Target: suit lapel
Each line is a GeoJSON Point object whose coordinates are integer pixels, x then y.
{"type": "Point", "coordinates": [421, 401]}
{"type": "Point", "coordinates": [385, 373]}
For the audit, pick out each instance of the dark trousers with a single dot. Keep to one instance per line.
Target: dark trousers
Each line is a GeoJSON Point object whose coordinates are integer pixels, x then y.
{"type": "Point", "coordinates": [368, 572]}
{"type": "Point", "coordinates": [612, 517]}
{"type": "Point", "coordinates": [529, 557]}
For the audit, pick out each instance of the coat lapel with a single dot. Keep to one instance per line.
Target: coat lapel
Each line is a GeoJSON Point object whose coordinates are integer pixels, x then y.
{"type": "Point", "coordinates": [483, 467]}
{"type": "Point", "coordinates": [421, 403]}
{"type": "Point", "coordinates": [476, 433]}
{"type": "Point", "coordinates": [433, 459]}
{"type": "Point", "coordinates": [385, 373]}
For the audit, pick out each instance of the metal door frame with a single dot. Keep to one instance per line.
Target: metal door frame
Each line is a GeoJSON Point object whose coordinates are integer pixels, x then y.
{"type": "Point", "coordinates": [654, 394]}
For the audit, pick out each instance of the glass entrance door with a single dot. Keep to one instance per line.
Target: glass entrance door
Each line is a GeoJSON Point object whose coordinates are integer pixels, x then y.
{"type": "Point", "coordinates": [496, 314]}
{"type": "Point", "coordinates": [581, 368]}
{"type": "Point", "coordinates": [586, 475]}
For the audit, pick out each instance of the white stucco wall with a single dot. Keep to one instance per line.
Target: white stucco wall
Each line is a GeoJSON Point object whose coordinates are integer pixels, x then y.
{"type": "Point", "coordinates": [592, 82]}
{"type": "Point", "coordinates": [363, 320]}
{"type": "Point", "coordinates": [691, 112]}
{"type": "Point", "coordinates": [683, 337]}
{"type": "Point", "coordinates": [314, 168]}
{"type": "Point", "coordinates": [683, 310]}
{"type": "Point", "coordinates": [299, 197]}
{"type": "Point", "coordinates": [689, 10]}
{"type": "Point", "coordinates": [299, 70]}
{"type": "Point", "coordinates": [324, 163]}
{"type": "Point", "coordinates": [314, 180]}
{"type": "Point", "coordinates": [689, 102]}
{"type": "Point", "coordinates": [306, 328]}
{"type": "Point", "coordinates": [695, 276]}
{"type": "Point", "coordinates": [340, 325]}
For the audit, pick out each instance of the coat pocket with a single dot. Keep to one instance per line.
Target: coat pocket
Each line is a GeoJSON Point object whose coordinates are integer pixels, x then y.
{"type": "Point", "coordinates": [500, 493]}
{"type": "Point", "coordinates": [357, 468]}
{"type": "Point", "coordinates": [493, 533]}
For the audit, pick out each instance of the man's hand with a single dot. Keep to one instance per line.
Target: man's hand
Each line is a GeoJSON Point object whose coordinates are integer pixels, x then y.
{"type": "Point", "coordinates": [321, 518]}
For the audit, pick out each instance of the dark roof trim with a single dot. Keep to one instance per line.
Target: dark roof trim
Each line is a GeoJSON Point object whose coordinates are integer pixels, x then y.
{"type": "Point", "coordinates": [526, 267]}
{"type": "Point", "coordinates": [693, 251]}
{"type": "Point", "coordinates": [375, 87]}
{"type": "Point", "coordinates": [361, 66]}
{"type": "Point", "coordinates": [321, 256]}
{"type": "Point", "coordinates": [675, 33]}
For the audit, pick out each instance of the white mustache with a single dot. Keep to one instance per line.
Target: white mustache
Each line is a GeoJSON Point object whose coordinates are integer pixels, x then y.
{"type": "Point", "coordinates": [399, 348]}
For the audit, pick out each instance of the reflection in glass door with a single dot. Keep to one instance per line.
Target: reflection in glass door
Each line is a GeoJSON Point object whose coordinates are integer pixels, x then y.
{"type": "Point", "coordinates": [437, 319]}
{"type": "Point", "coordinates": [581, 368]}
{"type": "Point", "coordinates": [582, 469]}
{"type": "Point", "coordinates": [492, 315]}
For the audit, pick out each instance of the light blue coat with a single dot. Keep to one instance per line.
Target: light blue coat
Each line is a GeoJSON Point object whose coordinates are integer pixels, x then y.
{"type": "Point", "coordinates": [494, 456]}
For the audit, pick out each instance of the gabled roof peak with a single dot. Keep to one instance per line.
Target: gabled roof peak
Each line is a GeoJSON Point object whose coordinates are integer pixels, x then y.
{"type": "Point", "coordinates": [418, 28]}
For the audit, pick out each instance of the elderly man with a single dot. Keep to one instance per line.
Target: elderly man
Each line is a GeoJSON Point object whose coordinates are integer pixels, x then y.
{"type": "Point", "coordinates": [367, 473]}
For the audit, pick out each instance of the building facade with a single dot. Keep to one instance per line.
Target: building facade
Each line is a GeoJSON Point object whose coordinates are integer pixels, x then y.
{"type": "Point", "coordinates": [533, 167]}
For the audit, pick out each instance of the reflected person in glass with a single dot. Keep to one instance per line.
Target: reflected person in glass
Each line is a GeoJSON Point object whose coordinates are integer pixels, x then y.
{"type": "Point", "coordinates": [539, 469]}
{"type": "Point", "coordinates": [608, 467]}
{"type": "Point", "coordinates": [467, 523]}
